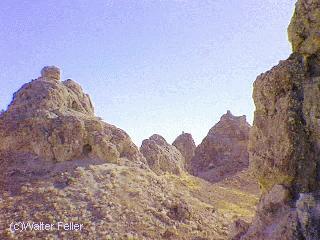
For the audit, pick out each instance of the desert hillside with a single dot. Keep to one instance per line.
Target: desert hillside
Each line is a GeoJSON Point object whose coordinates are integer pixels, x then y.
{"type": "Point", "coordinates": [61, 163]}
{"type": "Point", "coordinates": [66, 174]}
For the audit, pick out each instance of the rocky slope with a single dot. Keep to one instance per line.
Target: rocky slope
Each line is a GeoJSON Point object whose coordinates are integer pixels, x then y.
{"type": "Point", "coordinates": [284, 142]}
{"type": "Point", "coordinates": [223, 152]}
{"type": "Point", "coordinates": [186, 145]}
{"type": "Point", "coordinates": [60, 163]}
{"type": "Point", "coordinates": [161, 156]}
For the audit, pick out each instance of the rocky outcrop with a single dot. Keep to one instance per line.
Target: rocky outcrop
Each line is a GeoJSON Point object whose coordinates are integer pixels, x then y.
{"type": "Point", "coordinates": [223, 152]}
{"type": "Point", "coordinates": [185, 144]}
{"type": "Point", "coordinates": [285, 138]}
{"type": "Point", "coordinates": [55, 121]}
{"type": "Point", "coordinates": [303, 30]}
{"type": "Point", "coordinates": [280, 146]}
{"type": "Point", "coordinates": [161, 156]}
{"type": "Point", "coordinates": [280, 217]}
{"type": "Point", "coordinates": [60, 163]}
{"type": "Point", "coordinates": [303, 33]}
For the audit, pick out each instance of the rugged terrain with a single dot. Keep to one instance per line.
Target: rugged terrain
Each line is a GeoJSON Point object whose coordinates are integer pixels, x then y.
{"type": "Point", "coordinates": [161, 156]}
{"type": "Point", "coordinates": [284, 142]}
{"type": "Point", "coordinates": [186, 145]}
{"type": "Point", "coordinates": [223, 152]}
{"type": "Point", "coordinates": [59, 162]}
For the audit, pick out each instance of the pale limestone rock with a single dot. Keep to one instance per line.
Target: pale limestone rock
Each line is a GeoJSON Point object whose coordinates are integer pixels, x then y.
{"type": "Point", "coordinates": [185, 144]}
{"type": "Point", "coordinates": [57, 164]}
{"type": "Point", "coordinates": [280, 144]}
{"type": "Point", "coordinates": [223, 152]}
{"type": "Point", "coordinates": [55, 121]}
{"type": "Point", "coordinates": [275, 219]}
{"type": "Point", "coordinates": [278, 195]}
{"type": "Point", "coordinates": [285, 138]}
{"type": "Point", "coordinates": [304, 29]}
{"type": "Point", "coordinates": [161, 156]}
{"type": "Point", "coordinates": [51, 72]}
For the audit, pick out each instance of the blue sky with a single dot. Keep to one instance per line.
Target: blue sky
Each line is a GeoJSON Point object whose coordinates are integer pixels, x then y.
{"type": "Point", "coordinates": [150, 66]}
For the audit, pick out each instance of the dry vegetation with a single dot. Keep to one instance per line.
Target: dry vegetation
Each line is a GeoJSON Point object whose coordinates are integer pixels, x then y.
{"type": "Point", "coordinates": [120, 202]}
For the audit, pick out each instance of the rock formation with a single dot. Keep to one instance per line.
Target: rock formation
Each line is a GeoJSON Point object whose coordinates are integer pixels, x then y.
{"type": "Point", "coordinates": [303, 31]}
{"type": "Point", "coordinates": [185, 144]}
{"type": "Point", "coordinates": [60, 163]}
{"type": "Point", "coordinates": [161, 156]}
{"type": "Point", "coordinates": [55, 121]}
{"type": "Point", "coordinates": [223, 152]}
{"type": "Point", "coordinates": [285, 138]}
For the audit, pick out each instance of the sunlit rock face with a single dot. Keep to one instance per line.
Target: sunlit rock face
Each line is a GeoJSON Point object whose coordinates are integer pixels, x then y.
{"type": "Point", "coordinates": [186, 145]}
{"type": "Point", "coordinates": [303, 31]}
{"type": "Point", "coordinates": [51, 72]}
{"type": "Point", "coordinates": [55, 121]}
{"type": "Point", "coordinates": [284, 143]}
{"type": "Point", "coordinates": [161, 156]}
{"type": "Point", "coordinates": [284, 139]}
{"type": "Point", "coordinates": [223, 152]}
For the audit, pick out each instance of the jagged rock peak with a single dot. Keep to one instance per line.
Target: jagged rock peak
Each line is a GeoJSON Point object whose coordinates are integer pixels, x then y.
{"type": "Point", "coordinates": [161, 156]}
{"type": "Point", "coordinates": [51, 72]}
{"type": "Point", "coordinates": [223, 152]}
{"type": "Point", "coordinates": [304, 29]}
{"type": "Point", "coordinates": [228, 120]}
{"type": "Point", "coordinates": [186, 145]}
{"type": "Point", "coordinates": [48, 94]}
{"type": "Point", "coordinates": [158, 139]}
{"type": "Point", "coordinates": [229, 116]}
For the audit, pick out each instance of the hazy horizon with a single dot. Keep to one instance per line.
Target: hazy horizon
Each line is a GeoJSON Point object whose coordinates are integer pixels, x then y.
{"type": "Point", "coordinates": [155, 66]}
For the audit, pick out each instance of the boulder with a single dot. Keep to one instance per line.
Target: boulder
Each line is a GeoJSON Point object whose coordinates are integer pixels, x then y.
{"type": "Point", "coordinates": [185, 144]}
{"type": "Point", "coordinates": [161, 156]}
{"type": "Point", "coordinates": [51, 72]}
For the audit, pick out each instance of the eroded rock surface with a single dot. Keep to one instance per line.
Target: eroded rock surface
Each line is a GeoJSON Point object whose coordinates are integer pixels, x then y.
{"type": "Point", "coordinates": [161, 156]}
{"type": "Point", "coordinates": [55, 121]}
{"type": "Point", "coordinates": [284, 141]}
{"type": "Point", "coordinates": [60, 163]}
{"type": "Point", "coordinates": [186, 145]}
{"type": "Point", "coordinates": [282, 148]}
{"type": "Point", "coordinates": [223, 152]}
{"type": "Point", "coordinates": [304, 28]}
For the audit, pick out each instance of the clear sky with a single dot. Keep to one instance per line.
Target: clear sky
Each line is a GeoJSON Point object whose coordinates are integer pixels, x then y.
{"type": "Point", "coordinates": [150, 66]}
